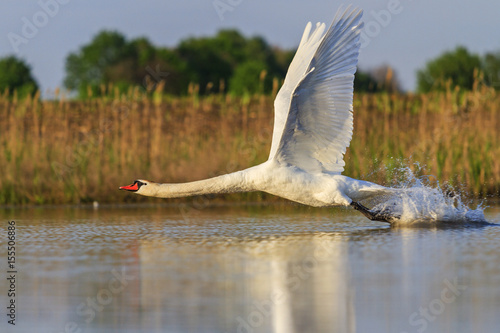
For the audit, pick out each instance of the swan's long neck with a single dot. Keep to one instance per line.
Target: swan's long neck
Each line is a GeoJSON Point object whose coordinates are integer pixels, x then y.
{"type": "Point", "coordinates": [230, 183]}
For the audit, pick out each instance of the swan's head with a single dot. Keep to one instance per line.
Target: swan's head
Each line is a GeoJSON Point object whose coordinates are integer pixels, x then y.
{"type": "Point", "coordinates": [139, 186]}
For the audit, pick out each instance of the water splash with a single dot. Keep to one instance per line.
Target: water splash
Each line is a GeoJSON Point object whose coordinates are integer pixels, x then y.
{"type": "Point", "coordinates": [423, 200]}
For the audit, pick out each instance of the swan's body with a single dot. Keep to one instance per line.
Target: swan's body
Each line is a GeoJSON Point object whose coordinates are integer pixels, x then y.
{"type": "Point", "coordinates": [312, 129]}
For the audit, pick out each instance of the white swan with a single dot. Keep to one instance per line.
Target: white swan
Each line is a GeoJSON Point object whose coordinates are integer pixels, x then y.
{"type": "Point", "coordinates": [312, 128]}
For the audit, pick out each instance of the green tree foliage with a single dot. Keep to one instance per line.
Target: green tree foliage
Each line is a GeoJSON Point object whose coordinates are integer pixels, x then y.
{"type": "Point", "coordinates": [15, 74]}
{"type": "Point", "coordinates": [167, 67]}
{"type": "Point", "coordinates": [456, 67]}
{"type": "Point", "coordinates": [210, 60]}
{"type": "Point", "coordinates": [214, 61]}
{"type": "Point", "coordinates": [364, 82]}
{"type": "Point", "coordinates": [218, 59]}
{"type": "Point", "coordinates": [228, 62]}
{"type": "Point", "coordinates": [249, 77]}
{"type": "Point", "coordinates": [91, 66]}
{"type": "Point", "coordinates": [111, 58]}
{"type": "Point", "coordinates": [491, 69]}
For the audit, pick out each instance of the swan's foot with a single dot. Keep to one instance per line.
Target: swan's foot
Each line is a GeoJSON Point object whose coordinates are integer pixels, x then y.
{"type": "Point", "coordinates": [375, 215]}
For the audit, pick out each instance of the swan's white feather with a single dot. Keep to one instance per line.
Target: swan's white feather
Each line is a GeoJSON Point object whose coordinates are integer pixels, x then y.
{"type": "Point", "coordinates": [317, 112]}
{"type": "Point", "coordinates": [307, 47]}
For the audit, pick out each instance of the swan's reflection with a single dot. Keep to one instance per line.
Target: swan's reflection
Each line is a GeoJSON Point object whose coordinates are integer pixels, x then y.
{"type": "Point", "coordinates": [293, 283]}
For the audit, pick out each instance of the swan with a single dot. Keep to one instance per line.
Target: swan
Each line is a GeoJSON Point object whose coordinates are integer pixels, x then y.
{"type": "Point", "coordinates": [313, 126]}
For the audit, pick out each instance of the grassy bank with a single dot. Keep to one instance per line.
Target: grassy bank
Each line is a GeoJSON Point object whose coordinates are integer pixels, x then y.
{"type": "Point", "coordinates": [79, 151]}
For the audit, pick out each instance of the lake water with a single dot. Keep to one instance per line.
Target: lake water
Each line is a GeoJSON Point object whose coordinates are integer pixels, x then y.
{"type": "Point", "coordinates": [246, 269]}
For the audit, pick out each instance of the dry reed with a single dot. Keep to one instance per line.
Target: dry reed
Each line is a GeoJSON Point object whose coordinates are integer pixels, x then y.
{"type": "Point", "coordinates": [64, 151]}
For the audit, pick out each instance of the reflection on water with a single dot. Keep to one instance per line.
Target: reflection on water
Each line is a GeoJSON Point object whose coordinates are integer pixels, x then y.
{"type": "Point", "coordinates": [158, 269]}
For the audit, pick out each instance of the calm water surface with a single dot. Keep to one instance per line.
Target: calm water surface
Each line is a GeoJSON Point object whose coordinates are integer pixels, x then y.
{"type": "Point", "coordinates": [246, 269]}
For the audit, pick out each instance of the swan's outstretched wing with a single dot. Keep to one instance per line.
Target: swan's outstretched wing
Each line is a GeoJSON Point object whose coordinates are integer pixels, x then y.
{"type": "Point", "coordinates": [307, 47]}
{"type": "Point", "coordinates": [317, 112]}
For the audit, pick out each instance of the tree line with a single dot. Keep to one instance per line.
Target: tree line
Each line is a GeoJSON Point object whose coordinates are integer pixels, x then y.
{"type": "Point", "coordinates": [227, 62]}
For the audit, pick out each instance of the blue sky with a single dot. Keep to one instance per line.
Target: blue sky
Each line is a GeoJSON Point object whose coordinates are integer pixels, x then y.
{"type": "Point", "coordinates": [402, 33]}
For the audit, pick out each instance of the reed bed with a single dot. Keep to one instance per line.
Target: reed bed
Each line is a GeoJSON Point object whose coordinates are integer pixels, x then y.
{"type": "Point", "coordinates": [64, 151]}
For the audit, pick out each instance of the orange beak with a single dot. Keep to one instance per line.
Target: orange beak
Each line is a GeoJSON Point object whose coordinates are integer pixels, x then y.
{"type": "Point", "coordinates": [133, 187]}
